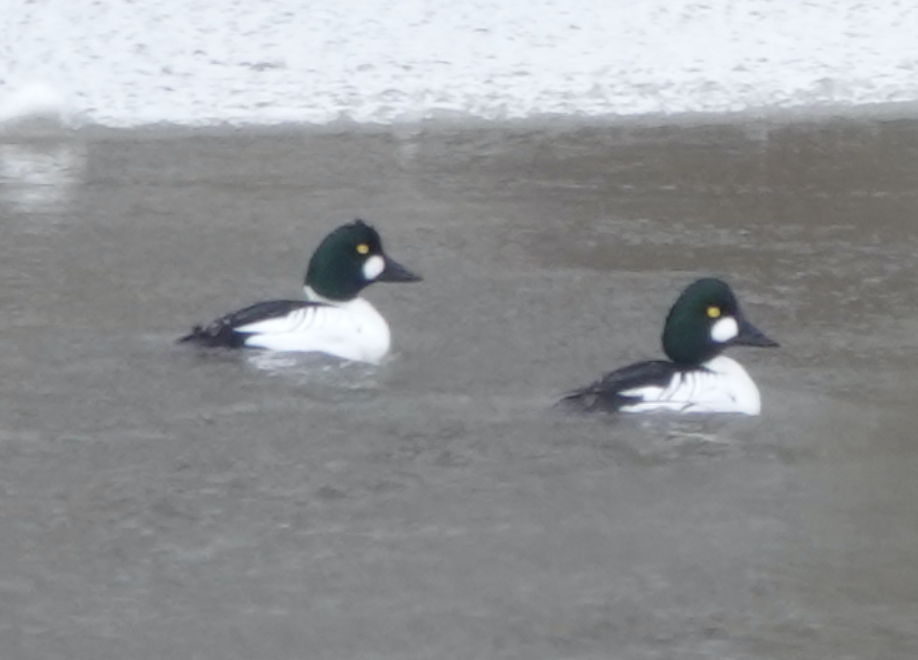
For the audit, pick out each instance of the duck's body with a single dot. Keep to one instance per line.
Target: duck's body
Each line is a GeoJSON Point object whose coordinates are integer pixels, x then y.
{"type": "Point", "coordinates": [337, 322]}
{"type": "Point", "coordinates": [351, 330]}
{"type": "Point", "coordinates": [698, 379]}
{"type": "Point", "coordinates": [720, 385]}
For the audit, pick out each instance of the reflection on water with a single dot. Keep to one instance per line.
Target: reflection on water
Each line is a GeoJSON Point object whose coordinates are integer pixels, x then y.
{"type": "Point", "coordinates": [311, 368]}
{"type": "Point", "coordinates": [40, 176]}
{"type": "Point", "coordinates": [315, 376]}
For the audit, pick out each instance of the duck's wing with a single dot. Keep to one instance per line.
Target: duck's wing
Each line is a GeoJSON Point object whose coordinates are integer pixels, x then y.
{"type": "Point", "coordinates": [629, 385]}
{"type": "Point", "coordinates": [232, 330]}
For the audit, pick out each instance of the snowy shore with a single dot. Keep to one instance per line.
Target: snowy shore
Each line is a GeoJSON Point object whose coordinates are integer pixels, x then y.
{"type": "Point", "coordinates": [125, 63]}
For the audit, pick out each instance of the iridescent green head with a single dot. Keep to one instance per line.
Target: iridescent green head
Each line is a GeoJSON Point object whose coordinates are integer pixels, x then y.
{"type": "Point", "coordinates": [704, 321]}
{"type": "Point", "coordinates": [349, 259]}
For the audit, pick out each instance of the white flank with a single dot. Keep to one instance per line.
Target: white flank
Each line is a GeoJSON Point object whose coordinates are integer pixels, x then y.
{"type": "Point", "coordinates": [352, 330]}
{"type": "Point", "coordinates": [723, 386]}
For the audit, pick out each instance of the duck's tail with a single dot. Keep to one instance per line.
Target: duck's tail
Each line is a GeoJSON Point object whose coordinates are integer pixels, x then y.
{"type": "Point", "coordinates": [583, 400]}
{"type": "Point", "coordinates": [215, 335]}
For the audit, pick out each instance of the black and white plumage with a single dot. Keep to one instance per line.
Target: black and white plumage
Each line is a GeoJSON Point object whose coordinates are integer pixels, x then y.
{"type": "Point", "coordinates": [225, 332]}
{"type": "Point", "coordinates": [608, 393]}
{"type": "Point", "coordinates": [704, 321]}
{"type": "Point", "coordinates": [720, 385]}
{"type": "Point", "coordinates": [333, 319]}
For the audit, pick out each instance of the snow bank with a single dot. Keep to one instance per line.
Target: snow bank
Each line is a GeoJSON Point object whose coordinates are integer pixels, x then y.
{"type": "Point", "coordinates": [126, 63]}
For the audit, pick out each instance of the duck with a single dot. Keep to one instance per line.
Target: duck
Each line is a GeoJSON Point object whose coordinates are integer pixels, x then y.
{"type": "Point", "coordinates": [333, 319]}
{"type": "Point", "coordinates": [703, 322]}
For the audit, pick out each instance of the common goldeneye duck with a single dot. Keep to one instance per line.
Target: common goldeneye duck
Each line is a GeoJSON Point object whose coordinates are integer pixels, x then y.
{"type": "Point", "coordinates": [333, 319]}
{"type": "Point", "coordinates": [705, 320]}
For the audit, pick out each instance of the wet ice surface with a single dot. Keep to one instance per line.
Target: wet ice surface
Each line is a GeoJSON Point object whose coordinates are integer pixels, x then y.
{"type": "Point", "coordinates": [159, 502]}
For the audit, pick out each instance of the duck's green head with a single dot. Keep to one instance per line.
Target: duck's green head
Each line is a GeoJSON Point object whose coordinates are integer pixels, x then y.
{"type": "Point", "coordinates": [705, 320]}
{"type": "Point", "coordinates": [349, 259]}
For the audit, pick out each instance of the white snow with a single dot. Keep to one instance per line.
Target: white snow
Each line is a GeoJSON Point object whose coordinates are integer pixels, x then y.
{"type": "Point", "coordinates": [133, 62]}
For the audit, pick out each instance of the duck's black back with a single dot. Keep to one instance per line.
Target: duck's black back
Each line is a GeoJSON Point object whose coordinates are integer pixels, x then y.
{"type": "Point", "coordinates": [222, 333]}
{"type": "Point", "coordinates": [605, 395]}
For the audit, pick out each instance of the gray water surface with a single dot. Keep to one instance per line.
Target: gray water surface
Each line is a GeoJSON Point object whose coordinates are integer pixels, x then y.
{"type": "Point", "coordinates": [157, 502]}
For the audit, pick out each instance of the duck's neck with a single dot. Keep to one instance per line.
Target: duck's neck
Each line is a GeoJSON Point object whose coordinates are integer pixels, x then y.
{"type": "Point", "coordinates": [312, 296]}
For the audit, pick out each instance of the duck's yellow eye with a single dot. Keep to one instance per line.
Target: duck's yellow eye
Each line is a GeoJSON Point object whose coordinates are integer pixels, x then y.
{"type": "Point", "coordinates": [713, 312]}
{"type": "Point", "coordinates": [363, 248]}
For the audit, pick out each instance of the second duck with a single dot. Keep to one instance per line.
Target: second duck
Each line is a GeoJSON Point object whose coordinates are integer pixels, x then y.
{"type": "Point", "coordinates": [705, 320]}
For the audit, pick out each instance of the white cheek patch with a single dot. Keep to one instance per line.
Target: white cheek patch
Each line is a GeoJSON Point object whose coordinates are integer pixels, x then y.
{"type": "Point", "coordinates": [373, 266]}
{"type": "Point", "coordinates": [724, 330]}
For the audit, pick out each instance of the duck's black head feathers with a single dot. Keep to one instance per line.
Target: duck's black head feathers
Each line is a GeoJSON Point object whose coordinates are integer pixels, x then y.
{"type": "Point", "coordinates": [706, 319]}
{"type": "Point", "coordinates": [349, 259]}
